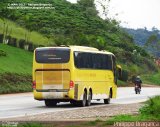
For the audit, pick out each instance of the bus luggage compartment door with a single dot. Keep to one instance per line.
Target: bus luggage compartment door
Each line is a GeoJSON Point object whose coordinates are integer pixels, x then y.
{"type": "Point", "coordinates": [53, 83]}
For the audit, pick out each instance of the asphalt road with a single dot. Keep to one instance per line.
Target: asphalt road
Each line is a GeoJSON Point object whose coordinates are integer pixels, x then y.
{"type": "Point", "coordinates": [15, 105]}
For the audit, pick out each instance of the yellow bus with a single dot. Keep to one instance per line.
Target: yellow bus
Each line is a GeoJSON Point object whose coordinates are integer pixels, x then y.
{"type": "Point", "coordinates": [77, 74]}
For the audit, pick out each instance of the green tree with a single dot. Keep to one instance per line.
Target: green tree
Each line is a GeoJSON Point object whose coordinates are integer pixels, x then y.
{"type": "Point", "coordinates": [152, 40]}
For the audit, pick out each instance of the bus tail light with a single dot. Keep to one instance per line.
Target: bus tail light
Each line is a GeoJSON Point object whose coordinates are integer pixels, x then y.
{"type": "Point", "coordinates": [71, 85]}
{"type": "Point", "coordinates": [34, 84]}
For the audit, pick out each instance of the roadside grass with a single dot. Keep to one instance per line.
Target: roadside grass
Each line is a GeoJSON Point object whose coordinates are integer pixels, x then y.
{"type": "Point", "coordinates": [149, 112]}
{"type": "Point", "coordinates": [18, 32]}
{"type": "Point", "coordinates": [152, 78]}
{"type": "Point", "coordinates": [122, 83]}
{"type": "Point", "coordinates": [69, 126]}
{"type": "Point", "coordinates": [16, 60]}
{"type": "Point", "coordinates": [95, 123]}
{"type": "Point", "coordinates": [30, 125]}
{"type": "Point", "coordinates": [15, 70]}
{"type": "Point", "coordinates": [152, 108]}
{"type": "Point", "coordinates": [147, 76]}
{"type": "Point", "coordinates": [127, 118]}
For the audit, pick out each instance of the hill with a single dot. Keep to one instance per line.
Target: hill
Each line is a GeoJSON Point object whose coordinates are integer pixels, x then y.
{"type": "Point", "coordinates": [15, 69]}
{"type": "Point", "coordinates": [75, 24]}
{"type": "Point", "coordinates": [15, 60]}
{"type": "Point", "coordinates": [9, 28]}
{"type": "Point", "coordinates": [71, 24]}
{"type": "Point", "coordinates": [141, 35]}
{"type": "Point", "coordinates": [150, 40]}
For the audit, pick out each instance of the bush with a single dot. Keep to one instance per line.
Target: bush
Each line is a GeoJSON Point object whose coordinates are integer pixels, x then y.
{"type": "Point", "coordinates": [35, 46]}
{"type": "Point", "coordinates": [40, 46]}
{"type": "Point", "coordinates": [30, 47]}
{"type": "Point", "coordinates": [124, 76]}
{"type": "Point", "coordinates": [22, 43]}
{"type": "Point", "coordinates": [3, 53]}
{"type": "Point", "coordinates": [150, 64]}
{"type": "Point", "coordinates": [12, 42]}
{"type": "Point", "coordinates": [134, 69]}
{"type": "Point", "coordinates": [141, 51]}
{"type": "Point", "coordinates": [7, 39]}
{"type": "Point", "coordinates": [152, 107]}
{"type": "Point", "coordinates": [13, 83]}
{"type": "Point", "coordinates": [1, 38]}
{"type": "Point", "coordinates": [152, 78]}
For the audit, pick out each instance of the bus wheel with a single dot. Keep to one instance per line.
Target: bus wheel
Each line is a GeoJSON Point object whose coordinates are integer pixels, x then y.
{"type": "Point", "coordinates": [84, 101]}
{"type": "Point", "coordinates": [89, 98]}
{"type": "Point", "coordinates": [50, 103]}
{"type": "Point", "coordinates": [108, 100]}
{"type": "Point", "coordinates": [73, 102]}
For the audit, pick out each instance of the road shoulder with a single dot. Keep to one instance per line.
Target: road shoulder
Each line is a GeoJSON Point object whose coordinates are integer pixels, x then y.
{"type": "Point", "coordinates": [83, 114]}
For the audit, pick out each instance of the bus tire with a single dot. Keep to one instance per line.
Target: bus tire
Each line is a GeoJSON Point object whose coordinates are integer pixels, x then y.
{"type": "Point", "coordinates": [108, 100]}
{"type": "Point", "coordinates": [50, 103]}
{"type": "Point", "coordinates": [73, 102]}
{"type": "Point", "coordinates": [84, 101]}
{"type": "Point", "coordinates": [89, 98]}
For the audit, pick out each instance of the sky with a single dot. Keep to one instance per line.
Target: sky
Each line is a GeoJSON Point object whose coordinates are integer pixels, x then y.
{"type": "Point", "coordinates": [133, 13]}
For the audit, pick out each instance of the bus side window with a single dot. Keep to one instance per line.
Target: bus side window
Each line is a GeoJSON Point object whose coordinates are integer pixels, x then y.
{"type": "Point", "coordinates": [82, 60]}
{"type": "Point", "coordinates": [98, 59]}
{"type": "Point", "coordinates": [104, 65]}
{"type": "Point", "coordinates": [76, 59]}
{"type": "Point", "coordinates": [90, 61]}
{"type": "Point", "coordinates": [114, 63]}
{"type": "Point", "coordinates": [114, 69]}
{"type": "Point", "coordinates": [94, 64]}
{"type": "Point", "coordinates": [108, 62]}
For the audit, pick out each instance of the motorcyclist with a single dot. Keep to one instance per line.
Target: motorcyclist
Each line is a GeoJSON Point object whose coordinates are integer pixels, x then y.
{"type": "Point", "coordinates": [138, 82]}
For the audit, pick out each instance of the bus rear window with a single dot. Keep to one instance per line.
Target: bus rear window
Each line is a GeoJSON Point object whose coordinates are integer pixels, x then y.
{"type": "Point", "coordinates": [52, 55]}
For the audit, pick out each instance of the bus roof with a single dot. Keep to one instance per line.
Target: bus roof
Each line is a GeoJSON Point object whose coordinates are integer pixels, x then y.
{"type": "Point", "coordinates": [80, 48]}
{"type": "Point", "coordinates": [92, 49]}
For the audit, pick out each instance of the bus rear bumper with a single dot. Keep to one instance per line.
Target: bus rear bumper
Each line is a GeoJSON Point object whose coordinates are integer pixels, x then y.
{"type": "Point", "coordinates": [53, 94]}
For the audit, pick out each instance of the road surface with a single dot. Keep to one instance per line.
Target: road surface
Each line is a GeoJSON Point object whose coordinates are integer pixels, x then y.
{"type": "Point", "coordinates": [15, 105]}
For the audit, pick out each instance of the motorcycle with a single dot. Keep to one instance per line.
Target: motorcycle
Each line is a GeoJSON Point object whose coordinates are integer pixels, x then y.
{"type": "Point", "coordinates": [137, 89]}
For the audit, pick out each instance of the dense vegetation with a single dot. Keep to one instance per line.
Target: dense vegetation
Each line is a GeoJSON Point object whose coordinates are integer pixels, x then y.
{"type": "Point", "coordinates": [71, 24]}
{"type": "Point", "coordinates": [141, 35]}
{"type": "Point", "coordinates": [15, 83]}
{"type": "Point", "coordinates": [150, 40]}
{"type": "Point", "coordinates": [11, 28]}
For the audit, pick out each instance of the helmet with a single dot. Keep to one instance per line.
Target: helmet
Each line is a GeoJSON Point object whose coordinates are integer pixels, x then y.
{"type": "Point", "coordinates": [138, 76]}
